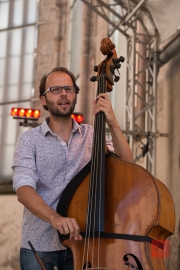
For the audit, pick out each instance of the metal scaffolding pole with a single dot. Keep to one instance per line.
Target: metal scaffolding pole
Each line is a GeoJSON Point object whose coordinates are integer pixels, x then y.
{"type": "Point", "coordinates": [130, 88]}
{"type": "Point", "coordinates": [141, 95]}
{"type": "Point", "coordinates": [141, 76]}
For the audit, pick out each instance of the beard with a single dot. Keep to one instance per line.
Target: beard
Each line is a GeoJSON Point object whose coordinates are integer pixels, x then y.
{"type": "Point", "coordinates": [56, 112]}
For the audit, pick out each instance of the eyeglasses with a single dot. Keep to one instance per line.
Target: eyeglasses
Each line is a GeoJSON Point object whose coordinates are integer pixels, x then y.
{"type": "Point", "coordinates": [58, 89]}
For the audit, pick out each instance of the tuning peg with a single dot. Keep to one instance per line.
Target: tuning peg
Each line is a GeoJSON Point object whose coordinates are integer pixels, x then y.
{"type": "Point", "coordinates": [121, 59]}
{"type": "Point", "coordinates": [118, 60]}
{"type": "Point", "coordinates": [95, 68]}
{"type": "Point", "coordinates": [117, 66]}
{"type": "Point", "coordinates": [93, 78]}
{"type": "Point", "coordinates": [116, 79]}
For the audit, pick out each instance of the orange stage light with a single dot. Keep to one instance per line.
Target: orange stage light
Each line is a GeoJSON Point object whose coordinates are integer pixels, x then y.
{"type": "Point", "coordinates": [25, 113]}
{"type": "Point", "coordinates": [78, 117]}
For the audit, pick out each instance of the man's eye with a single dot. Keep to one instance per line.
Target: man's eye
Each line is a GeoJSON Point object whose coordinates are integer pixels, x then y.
{"type": "Point", "coordinates": [56, 89]}
{"type": "Point", "coordinates": [68, 88]}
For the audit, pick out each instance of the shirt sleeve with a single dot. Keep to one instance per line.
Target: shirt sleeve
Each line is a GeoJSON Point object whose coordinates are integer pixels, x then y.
{"type": "Point", "coordinates": [24, 166]}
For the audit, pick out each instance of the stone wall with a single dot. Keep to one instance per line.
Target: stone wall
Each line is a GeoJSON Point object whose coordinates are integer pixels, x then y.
{"type": "Point", "coordinates": [11, 212]}
{"type": "Point", "coordinates": [168, 149]}
{"type": "Point", "coordinates": [52, 41]}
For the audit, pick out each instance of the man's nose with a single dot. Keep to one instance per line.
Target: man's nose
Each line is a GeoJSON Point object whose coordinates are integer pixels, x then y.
{"type": "Point", "coordinates": [63, 92]}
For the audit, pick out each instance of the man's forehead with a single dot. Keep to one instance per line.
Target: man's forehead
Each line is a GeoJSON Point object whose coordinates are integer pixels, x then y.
{"type": "Point", "coordinates": [58, 75]}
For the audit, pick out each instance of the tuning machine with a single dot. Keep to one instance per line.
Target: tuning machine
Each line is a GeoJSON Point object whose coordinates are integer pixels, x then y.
{"type": "Point", "coordinates": [116, 78]}
{"type": "Point", "coordinates": [117, 65]}
{"type": "Point", "coordinates": [93, 79]}
{"type": "Point", "coordinates": [118, 60]}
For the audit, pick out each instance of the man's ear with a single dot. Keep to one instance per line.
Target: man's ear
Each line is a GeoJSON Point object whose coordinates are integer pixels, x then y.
{"type": "Point", "coordinates": [43, 100]}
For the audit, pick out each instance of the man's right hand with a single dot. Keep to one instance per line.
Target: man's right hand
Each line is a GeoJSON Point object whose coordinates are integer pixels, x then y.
{"type": "Point", "coordinates": [66, 226]}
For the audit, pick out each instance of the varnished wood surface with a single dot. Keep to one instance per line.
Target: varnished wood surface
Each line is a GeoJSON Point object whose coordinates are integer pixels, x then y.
{"type": "Point", "coordinates": [135, 203]}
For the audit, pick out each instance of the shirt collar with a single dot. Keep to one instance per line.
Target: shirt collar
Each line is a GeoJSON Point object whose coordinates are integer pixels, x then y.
{"type": "Point", "coordinates": [45, 128]}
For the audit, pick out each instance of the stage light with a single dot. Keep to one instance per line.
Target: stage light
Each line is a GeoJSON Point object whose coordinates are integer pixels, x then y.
{"type": "Point", "coordinates": [29, 113]}
{"type": "Point", "coordinates": [23, 113]}
{"type": "Point", "coordinates": [36, 113]}
{"type": "Point", "coordinates": [14, 111]}
{"type": "Point", "coordinates": [78, 117]}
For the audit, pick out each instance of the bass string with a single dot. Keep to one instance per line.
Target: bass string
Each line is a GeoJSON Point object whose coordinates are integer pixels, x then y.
{"type": "Point", "coordinates": [97, 164]}
{"type": "Point", "coordinates": [92, 187]}
{"type": "Point", "coordinates": [100, 146]}
{"type": "Point", "coordinates": [90, 201]}
{"type": "Point", "coordinates": [101, 165]}
{"type": "Point", "coordinates": [98, 175]}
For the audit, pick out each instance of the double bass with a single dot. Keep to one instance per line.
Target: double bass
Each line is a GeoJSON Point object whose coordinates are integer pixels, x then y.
{"type": "Point", "coordinates": [125, 214]}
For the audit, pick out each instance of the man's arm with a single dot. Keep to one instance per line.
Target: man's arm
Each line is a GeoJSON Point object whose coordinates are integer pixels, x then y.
{"type": "Point", "coordinates": [120, 144]}
{"type": "Point", "coordinates": [35, 204]}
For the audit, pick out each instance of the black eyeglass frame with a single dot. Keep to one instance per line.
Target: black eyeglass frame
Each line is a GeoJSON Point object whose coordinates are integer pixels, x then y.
{"type": "Point", "coordinates": [60, 89]}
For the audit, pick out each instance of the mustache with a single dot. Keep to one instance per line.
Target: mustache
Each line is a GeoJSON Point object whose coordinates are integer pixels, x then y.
{"type": "Point", "coordinates": [63, 99]}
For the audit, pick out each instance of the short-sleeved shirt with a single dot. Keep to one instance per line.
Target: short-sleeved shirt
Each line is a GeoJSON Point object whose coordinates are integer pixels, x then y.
{"type": "Point", "coordinates": [47, 163]}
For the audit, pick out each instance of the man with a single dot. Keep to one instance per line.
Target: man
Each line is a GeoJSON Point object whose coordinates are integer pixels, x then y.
{"type": "Point", "coordinates": [45, 161]}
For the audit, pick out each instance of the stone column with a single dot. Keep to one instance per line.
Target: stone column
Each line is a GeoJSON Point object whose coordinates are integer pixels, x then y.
{"type": "Point", "coordinates": [52, 41]}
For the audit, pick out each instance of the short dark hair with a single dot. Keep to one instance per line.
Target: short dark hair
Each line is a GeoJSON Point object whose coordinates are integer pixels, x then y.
{"type": "Point", "coordinates": [56, 69]}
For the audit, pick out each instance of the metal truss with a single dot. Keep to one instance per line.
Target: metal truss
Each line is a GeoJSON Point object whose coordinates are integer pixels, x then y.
{"type": "Point", "coordinates": [141, 77]}
{"type": "Point", "coordinates": [141, 88]}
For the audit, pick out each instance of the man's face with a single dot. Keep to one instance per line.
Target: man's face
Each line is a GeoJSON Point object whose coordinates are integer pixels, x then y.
{"type": "Point", "coordinates": [59, 105]}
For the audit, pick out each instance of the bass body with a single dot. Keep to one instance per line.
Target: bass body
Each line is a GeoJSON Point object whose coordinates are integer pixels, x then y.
{"type": "Point", "coordinates": [139, 216]}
